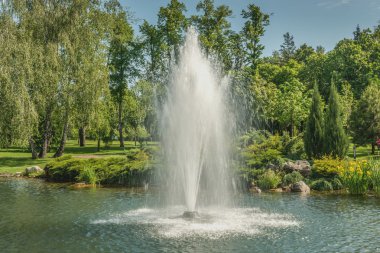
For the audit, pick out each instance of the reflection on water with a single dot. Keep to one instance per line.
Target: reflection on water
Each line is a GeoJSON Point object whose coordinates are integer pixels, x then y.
{"type": "Point", "coordinates": [39, 217]}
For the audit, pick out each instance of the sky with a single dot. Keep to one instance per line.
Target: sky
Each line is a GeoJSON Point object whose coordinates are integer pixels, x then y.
{"type": "Point", "coordinates": [315, 22]}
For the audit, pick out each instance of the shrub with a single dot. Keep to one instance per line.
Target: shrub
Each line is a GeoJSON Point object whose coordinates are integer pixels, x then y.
{"type": "Point", "coordinates": [354, 175]}
{"type": "Point", "coordinates": [294, 147]}
{"type": "Point", "coordinates": [336, 184]}
{"type": "Point", "coordinates": [292, 178]}
{"type": "Point", "coordinates": [374, 175]}
{"type": "Point", "coordinates": [87, 175]}
{"type": "Point", "coordinates": [268, 180]}
{"type": "Point", "coordinates": [321, 185]}
{"type": "Point", "coordinates": [115, 170]}
{"type": "Point", "coordinates": [326, 167]}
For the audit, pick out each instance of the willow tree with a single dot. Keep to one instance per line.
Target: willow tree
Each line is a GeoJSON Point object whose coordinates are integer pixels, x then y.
{"type": "Point", "coordinates": [85, 75]}
{"type": "Point", "coordinates": [17, 111]}
{"type": "Point", "coordinates": [313, 138]}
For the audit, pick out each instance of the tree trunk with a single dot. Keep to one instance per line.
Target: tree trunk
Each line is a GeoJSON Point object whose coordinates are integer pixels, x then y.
{"type": "Point", "coordinates": [121, 126]}
{"type": "Point", "coordinates": [98, 143]}
{"type": "Point", "coordinates": [33, 148]}
{"type": "Point", "coordinates": [61, 147]}
{"type": "Point", "coordinates": [82, 137]}
{"type": "Point", "coordinates": [46, 135]}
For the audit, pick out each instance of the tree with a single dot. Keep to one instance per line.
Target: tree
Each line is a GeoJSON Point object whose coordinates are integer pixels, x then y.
{"type": "Point", "coordinates": [18, 116]}
{"type": "Point", "coordinates": [172, 23]}
{"type": "Point", "coordinates": [214, 30]}
{"type": "Point", "coordinates": [288, 48]}
{"type": "Point", "coordinates": [313, 138]}
{"type": "Point", "coordinates": [253, 30]}
{"type": "Point", "coordinates": [124, 54]}
{"type": "Point", "coordinates": [293, 105]}
{"type": "Point", "coordinates": [303, 53]}
{"type": "Point", "coordinates": [335, 139]}
{"type": "Point", "coordinates": [365, 119]}
{"type": "Point", "coordinates": [153, 46]}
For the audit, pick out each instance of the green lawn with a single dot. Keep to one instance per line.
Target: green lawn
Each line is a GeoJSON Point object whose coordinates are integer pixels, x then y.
{"type": "Point", "coordinates": [363, 152]}
{"type": "Point", "coordinates": [17, 159]}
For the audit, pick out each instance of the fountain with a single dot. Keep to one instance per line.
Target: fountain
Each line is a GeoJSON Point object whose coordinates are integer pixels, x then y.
{"type": "Point", "coordinates": [195, 132]}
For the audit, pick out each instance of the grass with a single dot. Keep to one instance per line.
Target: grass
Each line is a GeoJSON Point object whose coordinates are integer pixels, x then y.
{"type": "Point", "coordinates": [17, 159]}
{"type": "Point", "coordinates": [363, 152]}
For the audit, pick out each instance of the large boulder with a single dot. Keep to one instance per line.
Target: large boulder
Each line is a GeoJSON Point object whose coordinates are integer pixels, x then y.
{"type": "Point", "coordinates": [32, 170]}
{"type": "Point", "coordinates": [300, 187]}
{"type": "Point", "coordinates": [302, 166]}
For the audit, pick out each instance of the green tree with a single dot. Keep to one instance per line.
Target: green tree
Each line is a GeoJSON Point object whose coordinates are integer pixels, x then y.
{"type": "Point", "coordinates": [253, 30]}
{"type": "Point", "coordinates": [365, 119]}
{"type": "Point", "coordinates": [172, 23]}
{"type": "Point", "coordinates": [214, 30]}
{"type": "Point", "coordinates": [124, 54]}
{"type": "Point", "coordinates": [313, 138]}
{"type": "Point", "coordinates": [335, 139]}
{"type": "Point", "coordinates": [288, 47]}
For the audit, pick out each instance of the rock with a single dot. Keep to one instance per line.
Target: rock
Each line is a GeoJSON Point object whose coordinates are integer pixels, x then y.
{"type": "Point", "coordinates": [18, 174]}
{"type": "Point", "coordinates": [276, 190]}
{"type": "Point", "coordinates": [286, 189]}
{"type": "Point", "coordinates": [302, 166]}
{"type": "Point", "coordinates": [255, 189]}
{"type": "Point", "coordinates": [33, 169]}
{"type": "Point", "coordinates": [300, 187]}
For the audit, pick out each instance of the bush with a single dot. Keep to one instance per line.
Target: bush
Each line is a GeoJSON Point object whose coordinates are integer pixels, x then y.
{"type": "Point", "coordinates": [268, 180]}
{"type": "Point", "coordinates": [321, 185]}
{"type": "Point", "coordinates": [374, 175]}
{"type": "Point", "coordinates": [336, 184]}
{"type": "Point", "coordinates": [326, 167]}
{"type": "Point", "coordinates": [115, 170]}
{"type": "Point", "coordinates": [294, 148]}
{"type": "Point", "coordinates": [292, 178]}
{"type": "Point", "coordinates": [354, 175]}
{"type": "Point", "coordinates": [87, 175]}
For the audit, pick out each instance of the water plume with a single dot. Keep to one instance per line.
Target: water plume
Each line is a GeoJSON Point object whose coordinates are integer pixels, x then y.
{"type": "Point", "coordinates": [195, 131]}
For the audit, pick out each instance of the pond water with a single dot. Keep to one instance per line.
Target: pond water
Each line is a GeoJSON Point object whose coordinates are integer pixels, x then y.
{"type": "Point", "coordinates": [41, 217]}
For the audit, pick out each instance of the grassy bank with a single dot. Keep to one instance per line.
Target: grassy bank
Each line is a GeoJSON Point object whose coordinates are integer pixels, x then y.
{"type": "Point", "coordinates": [17, 159]}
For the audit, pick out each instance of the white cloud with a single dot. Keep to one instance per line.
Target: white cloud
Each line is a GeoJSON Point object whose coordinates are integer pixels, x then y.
{"type": "Point", "coordinates": [330, 4]}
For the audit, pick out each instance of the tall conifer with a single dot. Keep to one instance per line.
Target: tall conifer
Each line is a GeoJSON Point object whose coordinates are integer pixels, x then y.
{"type": "Point", "coordinates": [335, 140]}
{"type": "Point", "coordinates": [313, 137]}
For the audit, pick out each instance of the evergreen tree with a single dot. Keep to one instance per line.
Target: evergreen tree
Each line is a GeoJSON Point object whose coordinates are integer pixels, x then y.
{"type": "Point", "coordinates": [335, 140]}
{"type": "Point", "coordinates": [288, 48]}
{"type": "Point", "coordinates": [313, 137]}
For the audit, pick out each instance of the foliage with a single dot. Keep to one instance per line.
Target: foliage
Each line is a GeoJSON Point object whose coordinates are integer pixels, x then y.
{"type": "Point", "coordinates": [261, 148]}
{"type": "Point", "coordinates": [292, 178]}
{"type": "Point", "coordinates": [268, 180]}
{"type": "Point", "coordinates": [365, 120]}
{"type": "Point", "coordinates": [132, 171]}
{"type": "Point", "coordinates": [327, 167]}
{"type": "Point", "coordinates": [354, 175]}
{"type": "Point", "coordinates": [253, 30]}
{"type": "Point", "coordinates": [374, 175]}
{"type": "Point", "coordinates": [335, 139]}
{"type": "Point", "coordinates": [314, 129]}
{"type": "Point", "coordinates": [321, 185]}
{"type": "Point", "coordinates": [337, 184]}
{"type": "Point", "coordinates": [87, 175]}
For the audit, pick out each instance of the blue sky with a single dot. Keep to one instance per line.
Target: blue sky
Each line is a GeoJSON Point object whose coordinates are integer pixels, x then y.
{"type": "Point", "coordinates": [315, 22]}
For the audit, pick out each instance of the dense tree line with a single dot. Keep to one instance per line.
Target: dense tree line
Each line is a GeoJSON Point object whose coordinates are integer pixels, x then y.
{"type": "Point", "coordinates": [77, 69]}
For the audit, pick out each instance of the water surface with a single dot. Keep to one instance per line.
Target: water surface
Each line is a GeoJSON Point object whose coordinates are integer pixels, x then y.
{"type": "Point", "coordinates": [40, 217]}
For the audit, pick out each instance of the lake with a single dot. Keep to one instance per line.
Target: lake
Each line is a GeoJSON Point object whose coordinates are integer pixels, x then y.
{"type": "Point", "coordinates": [36, 216]}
